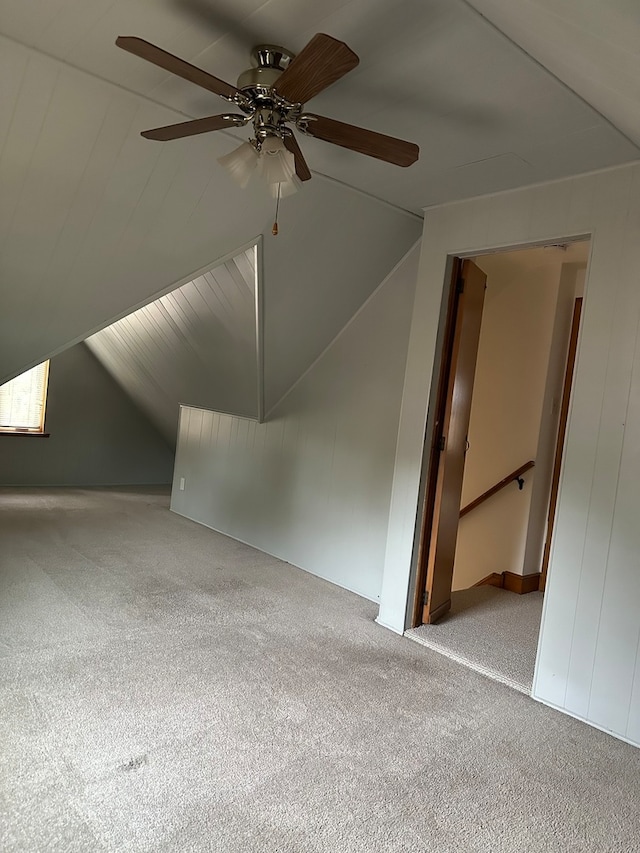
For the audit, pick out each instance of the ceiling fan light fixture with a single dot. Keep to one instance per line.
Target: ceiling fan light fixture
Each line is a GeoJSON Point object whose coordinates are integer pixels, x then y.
{"type": "Point", "coordinates": [241, 163]}
{"type": "Point", "coordinates": [271, 95]}
{"type": "Point", "coordinates": [276, 165]}
{"type": "Point", "coordinates": [273, 163]}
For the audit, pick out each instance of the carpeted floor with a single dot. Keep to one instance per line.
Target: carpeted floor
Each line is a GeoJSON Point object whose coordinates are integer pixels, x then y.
{"type": "Point", "coordinates": [166, 689]}
{"type": "Point", "coordinates": [490, 630]}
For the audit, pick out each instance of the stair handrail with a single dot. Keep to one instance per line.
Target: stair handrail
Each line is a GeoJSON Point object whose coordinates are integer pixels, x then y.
{"type": "Point", "coordinates": [515, 475]}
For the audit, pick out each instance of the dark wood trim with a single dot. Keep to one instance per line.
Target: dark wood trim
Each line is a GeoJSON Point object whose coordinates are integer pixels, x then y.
{"type": "Point", "coordinates": [426, 521]}
{"type": "Point", "coordinates": [520, 584]}
{"type": "Point", "coordinates": [494, 579]}
{"type": "Point", "coordinates": [510, 478]}
{"type": "Point", "coordinates": [16, 434]}
{"type": "Point", "coordinates": [451, 440]}
{"type": "Point", "coordinates": [562, 429]}
{"type": "Point", "coordinates": [428, 618]}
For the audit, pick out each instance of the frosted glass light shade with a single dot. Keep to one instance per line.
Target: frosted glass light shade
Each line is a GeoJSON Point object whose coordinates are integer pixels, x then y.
{"type": "Point", "coordinates": [274, 164]}
{"type": "Point", "coordinates": [286, 187]}
{"type": "Point", "coordinates": [241, 163]}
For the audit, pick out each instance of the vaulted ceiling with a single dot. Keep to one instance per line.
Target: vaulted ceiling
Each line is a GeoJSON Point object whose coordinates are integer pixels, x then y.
{"type": "Point", "coordinates": [95, 221]}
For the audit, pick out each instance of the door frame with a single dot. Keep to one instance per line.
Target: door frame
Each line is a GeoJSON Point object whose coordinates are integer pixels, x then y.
{"type": "Point", "coordinates": [447, 454]}
{"type": "Point", "coordinates": [439, 380]}
{"type": "Point", "coordinates": [567, 387]}
{"type": "Point", "coordinates": [431, 450]}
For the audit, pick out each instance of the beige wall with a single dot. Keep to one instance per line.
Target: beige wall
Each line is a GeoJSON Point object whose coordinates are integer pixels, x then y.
{"type": "Point", "coordinates": [508, 403]}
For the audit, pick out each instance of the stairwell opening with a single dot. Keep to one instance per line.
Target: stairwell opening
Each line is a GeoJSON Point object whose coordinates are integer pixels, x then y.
{"type": "Point", "coordinates": [512, 457]}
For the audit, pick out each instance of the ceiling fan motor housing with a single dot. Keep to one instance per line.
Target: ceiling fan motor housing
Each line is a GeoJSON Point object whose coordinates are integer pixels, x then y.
{"type": "Point", "coordinates": [269, 62]}
{"type": "Point", "coordinates": [268, 112]}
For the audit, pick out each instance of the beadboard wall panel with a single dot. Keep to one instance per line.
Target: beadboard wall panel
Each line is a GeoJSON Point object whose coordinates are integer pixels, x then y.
{"type": "Point", "coordinates": [312, 484]}
{"type": "Point", "coordinates": [197, 345]}
{"type": "Point", "coordinates": [588, 654]}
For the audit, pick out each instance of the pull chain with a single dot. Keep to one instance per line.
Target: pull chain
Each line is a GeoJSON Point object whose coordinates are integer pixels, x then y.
{"type": "Point", "coordinates": [274, 230]}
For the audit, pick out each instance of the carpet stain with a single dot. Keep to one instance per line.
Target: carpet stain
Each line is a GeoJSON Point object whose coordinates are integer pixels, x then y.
{"type": "Point", "coordinates": [135, 763]}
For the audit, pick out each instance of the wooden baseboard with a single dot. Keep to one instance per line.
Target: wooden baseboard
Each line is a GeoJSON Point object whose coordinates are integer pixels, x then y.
{"type": "Point", "coordinates": [520, 584]}
{"type": "Point", "coordinates": [494, 579]}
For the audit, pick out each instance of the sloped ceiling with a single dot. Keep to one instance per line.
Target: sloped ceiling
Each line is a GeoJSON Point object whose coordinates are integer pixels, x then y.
{"type": "Point", "coordinates": [593, 47]}
{"type": "Point", "coordinates": [95, 221]}
{"type": "Point", "coordinates": [197, 345]}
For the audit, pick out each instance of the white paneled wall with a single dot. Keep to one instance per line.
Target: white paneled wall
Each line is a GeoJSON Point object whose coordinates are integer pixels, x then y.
{"type": "Point", "coordinates": [312, 485]}
{"type": "Point", "coordinates": [197, 345]}
{"type": "Point", "coordinates": [588, 662]}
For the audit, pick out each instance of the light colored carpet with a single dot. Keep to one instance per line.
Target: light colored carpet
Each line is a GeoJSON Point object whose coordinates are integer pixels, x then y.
{"type": "Point", "coordinates": [166, 689]}
{"type": "Point", "coordinates": [491, 630]}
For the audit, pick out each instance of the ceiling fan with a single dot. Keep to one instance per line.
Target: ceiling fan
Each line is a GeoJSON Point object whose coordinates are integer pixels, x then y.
{"type": "Point", "coordinates": [271, 96]}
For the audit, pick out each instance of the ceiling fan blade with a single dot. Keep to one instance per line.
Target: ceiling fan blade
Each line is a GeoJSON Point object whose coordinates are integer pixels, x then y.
{"type": "Point", "coordinates": [191, 128]}
{"type": "Point", "coordinates": [302, 170]}
{"type": "Point", "coordinates": [368, 142]}
{"type": "Point", "coordinates": [145, 50]}
{"type": "Point", "coordinates": [323, 61]}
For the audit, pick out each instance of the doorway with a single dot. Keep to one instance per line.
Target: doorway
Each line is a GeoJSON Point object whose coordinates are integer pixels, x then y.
{"type": "Point", "coordinates": [502, 403]}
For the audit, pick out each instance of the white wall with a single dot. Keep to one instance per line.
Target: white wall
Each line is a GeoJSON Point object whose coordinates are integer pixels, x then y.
{"type": "Point", "coordinates": [588, 663]}
{"type": "Point", "coordinates": [312, 485]}
{"type": "Point", "coordinates": [506, 411]}
{"type": "Point", "coordinates": [197, 345]}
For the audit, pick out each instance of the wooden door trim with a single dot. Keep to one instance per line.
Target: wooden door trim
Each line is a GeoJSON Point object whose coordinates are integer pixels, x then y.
{"type": "Point", "coordinates": [440, 611]}
{"type": "Point", "coordinates": [562, 429]}
{"type": "Point", "coordinates": [428, 503]}
{"type": "Point", "coordinates": [441, 504]}
{"type": "Point", "coordinates": [446, 517]}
